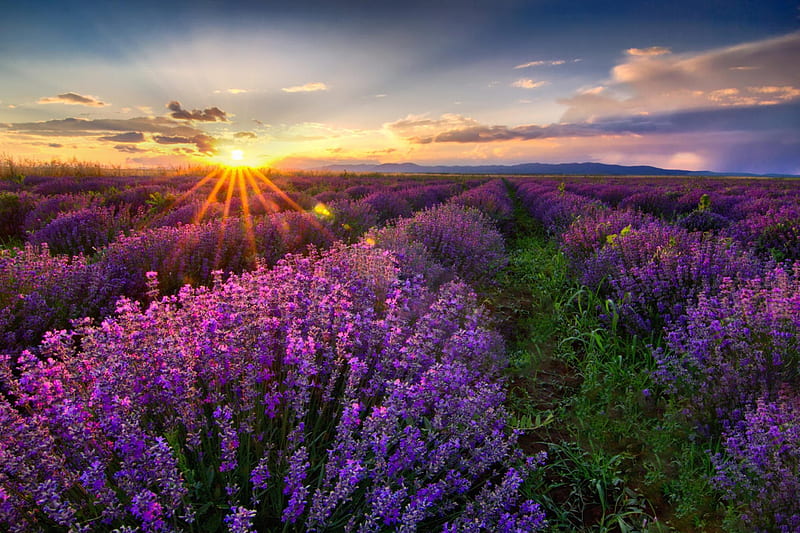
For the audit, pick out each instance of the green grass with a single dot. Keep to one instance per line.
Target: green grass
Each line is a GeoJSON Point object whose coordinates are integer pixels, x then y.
{"type": "Point", "coordinates": [620, 457]}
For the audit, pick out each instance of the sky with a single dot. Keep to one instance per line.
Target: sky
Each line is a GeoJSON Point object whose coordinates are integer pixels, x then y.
{"type": "Point", "coordinates": [696, 85]}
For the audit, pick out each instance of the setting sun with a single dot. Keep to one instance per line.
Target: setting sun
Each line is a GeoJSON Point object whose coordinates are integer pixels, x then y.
{"type": "Point", "coordinates": [237, 155]}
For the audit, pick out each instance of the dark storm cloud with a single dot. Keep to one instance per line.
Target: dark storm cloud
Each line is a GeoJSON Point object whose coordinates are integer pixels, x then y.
{"type": "Point", "coordinates": [211, 114]}
{"type": "Point", "coordinates": [129, 137]}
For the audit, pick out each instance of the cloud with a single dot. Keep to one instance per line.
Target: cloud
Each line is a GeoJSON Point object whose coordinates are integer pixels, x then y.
{"type": "Point", "coordinates": [420, 129]}
{"type": "Point", "coordinates": [80, 127]}
{"type": "Point", "coordinates": [651, 51]}
{"type": "Point", "coordinates": [211, 114]}
{"type": "Point", "coordinates": [55, 145]}
{"type": "Point", "coordinates": [460, 129]}
{"type": "Point", "coordinates": [541, 63]}
{"type": "Point", "coordinates": [451, 128]}
{"type": "Point", "coordinates": [527, 83]}
{"type": "Point", "coordinates": [163, 139]}
{"type": "Point", "coordinates": [204, 143]}
{"type": "Point", "coordinates": [161, 161]}
{"type": "Point", "coordinates": [749, 74]}
{"type": "Point", "coordinates": [231, 91]}
{"type": "Point", "coordinates": [307, 88]}
{"type": "Point", "coordinates": [128, 149]}
{"type": "Point", "coordinates": [129, 137]}
{"type": "Point", "coordinates": [164, 130]}
{"type": "Point", "coordinates": [245, 135]}
{"type": "Point", "coordinates": [72, 99]}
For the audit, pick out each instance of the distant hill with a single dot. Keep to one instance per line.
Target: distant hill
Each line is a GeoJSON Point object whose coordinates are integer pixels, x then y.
{"type": "Point", "coordinates": [530, 168]}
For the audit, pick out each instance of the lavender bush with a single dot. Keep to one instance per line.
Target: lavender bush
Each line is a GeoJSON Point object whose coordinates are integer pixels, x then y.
{"type": "Point", "coordinates": [324, 394]}
{"type": "Point", "coordinates": [14, 207]}
{"type": "Point", "coordinates": [774, 233]}
{"type": "Point", "coordinates": [181, 255]}
{"type": "Point", "coordinates": [704, 220]}
{"type": "Point", "coordinates": [446, 239]}
{"type": "Point", "coordinates": [85, 231]}
{"type": "Point", "coordinates": [659, 202]}
{"type": "Point", "coordinates": [425, 196]}
{"type": "Point", "coordinates": [553, 206]}
{"type": "Point", "coordinates": [654, 272]}
{"type": "Point", "coordinates": [48, 208]}
{"type": "Point", "coordinates": [760, 469]}
{"type": "Point", "coordinates": [492, 200]}
{"type": "Point", "coordinates": [388, 205]}
{"type": "Point", "coordinates": [38, 292]}
{"type": "Point", "coordinates": [589, 233]}
{"type": "Point", "coordinates": [735, 346]}
{"type": "Point", "coordinates": [347, 220]}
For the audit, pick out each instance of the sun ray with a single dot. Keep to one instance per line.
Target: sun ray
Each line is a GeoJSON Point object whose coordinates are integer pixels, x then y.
{"type": "Point", "coordinates": [229, 173]}
{"type": "Point", "coordinates": [208, 177]}
{"type": "Point", "coordinates": [246, 183]}
{"type": "Point", "coordinates": [294, 205]}
{"type": "Point", "coordinates": [246, 218]}
{"type": "Point", "coordinates": [212, 195]}
{"type": "Point", "coordinates": [267, 204]}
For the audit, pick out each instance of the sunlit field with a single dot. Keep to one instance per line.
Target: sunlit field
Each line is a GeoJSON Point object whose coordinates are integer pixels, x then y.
{"type": "Point", "coordinates": [240, 349]}
{"type": "Point", "coordinates": [425, 266]}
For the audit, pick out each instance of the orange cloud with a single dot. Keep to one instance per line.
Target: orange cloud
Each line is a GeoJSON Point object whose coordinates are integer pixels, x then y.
{"type": "Point", "coordinates": [651, 51]}
{"type": "Point", "coordinates": [650, 80]}
{"type": "Point", "coordinates": [307, 88]}
{"type": "Point", "coordinates": [527, 83]}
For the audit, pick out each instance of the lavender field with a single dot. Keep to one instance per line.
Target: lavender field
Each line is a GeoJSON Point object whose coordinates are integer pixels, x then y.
{"type": "Point", "coordinates": [253, 351]}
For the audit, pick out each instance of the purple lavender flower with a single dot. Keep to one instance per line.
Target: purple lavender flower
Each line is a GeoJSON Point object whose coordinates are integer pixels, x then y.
{"type": "Point", "coordinates": [759, 471]}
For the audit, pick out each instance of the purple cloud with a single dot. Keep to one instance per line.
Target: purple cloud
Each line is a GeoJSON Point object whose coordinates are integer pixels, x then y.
{"type": "Point", "coordinates": [211, 114]}
{"type": "Point", "coordinates": [129, 137]}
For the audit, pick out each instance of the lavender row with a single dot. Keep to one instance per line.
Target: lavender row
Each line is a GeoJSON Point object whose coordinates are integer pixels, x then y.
{"type": "Point", "coordinates": [758, 213]}
{"type": "Point", "coordinates": [112, 252]}
{"type": "Point", "coordinates": [40, 292]}
{"type": "Point", "coordinates": [85, 221]}
{"type": "Point", "coordinates": [493, 200]}
{"type": "Point", "coordinates": [729, 314]}
{"type": "Point", "coordinates": [333, 391]}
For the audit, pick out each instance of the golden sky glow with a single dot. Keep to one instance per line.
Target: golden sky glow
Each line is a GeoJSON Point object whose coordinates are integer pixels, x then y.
{"type": "Point", "coordinates": [445, 84]}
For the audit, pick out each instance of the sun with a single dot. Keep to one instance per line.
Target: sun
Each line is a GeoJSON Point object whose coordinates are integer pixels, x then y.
{"type": "Point", "coordinates": [237, 155]}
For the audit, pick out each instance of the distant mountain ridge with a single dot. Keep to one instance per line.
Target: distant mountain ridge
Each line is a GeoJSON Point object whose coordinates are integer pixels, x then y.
{"type": "Point", "coordinates": [533, 168]}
